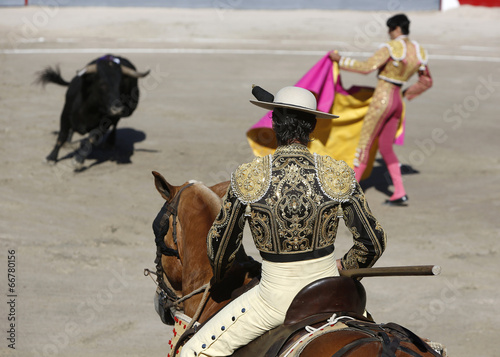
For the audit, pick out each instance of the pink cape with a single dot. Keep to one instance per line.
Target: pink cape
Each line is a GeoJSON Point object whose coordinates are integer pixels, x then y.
{"type": "Point", "coordinates": [319, 80]}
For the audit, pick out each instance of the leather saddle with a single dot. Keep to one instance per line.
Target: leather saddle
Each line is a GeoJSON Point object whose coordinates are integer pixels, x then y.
{"type": "Point", "coordinates": [315, 303]}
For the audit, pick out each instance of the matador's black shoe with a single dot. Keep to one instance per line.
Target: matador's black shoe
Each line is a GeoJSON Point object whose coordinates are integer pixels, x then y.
{"type": "Point", "coordinates": [403, 201]}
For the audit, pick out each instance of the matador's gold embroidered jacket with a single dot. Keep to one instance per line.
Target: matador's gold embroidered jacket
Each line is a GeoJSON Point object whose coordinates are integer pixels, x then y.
{"type": "Point", "coordinates": [293, 200]}
{"type": "Point", "coordinates": [396, 61]}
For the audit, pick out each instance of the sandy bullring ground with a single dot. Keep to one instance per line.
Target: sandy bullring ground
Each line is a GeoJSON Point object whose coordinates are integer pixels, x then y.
{"type": "Point", "coordinates": [80, 241]}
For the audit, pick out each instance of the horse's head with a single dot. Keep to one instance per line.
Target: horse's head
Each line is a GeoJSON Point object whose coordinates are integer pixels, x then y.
{"type": "Point", "coordinates": [182, 264]}
{"type": "Point", "coordinates": [180, 230]}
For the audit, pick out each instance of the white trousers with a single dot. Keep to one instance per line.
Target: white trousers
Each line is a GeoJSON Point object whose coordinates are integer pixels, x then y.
{"type": "Point", "coordinates": [259, 309]}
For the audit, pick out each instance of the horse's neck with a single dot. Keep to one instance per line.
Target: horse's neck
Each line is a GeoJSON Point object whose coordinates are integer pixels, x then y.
{"type": "Point", "coordinates": [197, 211]}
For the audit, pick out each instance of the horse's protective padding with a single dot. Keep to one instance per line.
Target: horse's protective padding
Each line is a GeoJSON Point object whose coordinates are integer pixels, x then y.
{"type": "Point", "coordinates": [328, 295]}
{"type": "Point", "coordinates": [270, 343]}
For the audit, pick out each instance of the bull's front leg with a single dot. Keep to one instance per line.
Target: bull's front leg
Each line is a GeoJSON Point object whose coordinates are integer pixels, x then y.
{"type": "Point", "coordinates": [81, 154]}
{"type": "Point", "coordinates": [86, 145]}
{"type": "Point", "coordinates": [94, 139]}
{"type": "Point", "coordinates": [70, 136]}
{"type": "Point", "coordinates": [111, 139]}
{"type": "Point", "coordinates": [52, 157]}
{"type": "Point", "coordinates": [62, 137]}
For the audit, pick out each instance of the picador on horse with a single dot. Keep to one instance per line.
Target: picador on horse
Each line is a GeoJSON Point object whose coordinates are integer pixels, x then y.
{"type": "Point", "coordinates": [293, 201]}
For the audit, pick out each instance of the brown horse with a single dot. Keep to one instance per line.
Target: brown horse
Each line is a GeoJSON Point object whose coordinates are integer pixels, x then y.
{"type": "Point", "coordinates": [318, 323]}
{"type": "Point", "coordinates": [182, 261]}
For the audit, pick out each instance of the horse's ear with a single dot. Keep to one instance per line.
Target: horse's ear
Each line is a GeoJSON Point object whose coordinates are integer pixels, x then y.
{"type": "Point", "coordinates": [163, 187]}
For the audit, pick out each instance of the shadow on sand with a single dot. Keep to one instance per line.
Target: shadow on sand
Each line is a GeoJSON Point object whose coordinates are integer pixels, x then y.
{"type": "Point", "coordinates": [380, 178]}
{"type": "Point", "coordinates": [120, 153]}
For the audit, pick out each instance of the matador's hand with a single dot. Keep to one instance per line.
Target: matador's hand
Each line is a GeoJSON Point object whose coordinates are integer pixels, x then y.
{"type": "Point", "coordinates": [334, 56]}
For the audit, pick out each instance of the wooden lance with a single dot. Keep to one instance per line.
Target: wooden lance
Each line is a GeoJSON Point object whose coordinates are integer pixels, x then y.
{"type": "Point", "coordinates": [412, 270]}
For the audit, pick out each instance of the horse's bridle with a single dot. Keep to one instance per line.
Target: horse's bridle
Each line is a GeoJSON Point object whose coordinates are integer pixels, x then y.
{"type": "Point", "coordinates": [167, 297]}
{"type": "Point", "coordinates": [160, 228]}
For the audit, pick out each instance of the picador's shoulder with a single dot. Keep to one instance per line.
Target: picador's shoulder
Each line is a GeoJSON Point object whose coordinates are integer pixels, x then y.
{"type": "Point", "coordinates": [336, 178]}
{"type": "Point", "coordinates": [251, 181]}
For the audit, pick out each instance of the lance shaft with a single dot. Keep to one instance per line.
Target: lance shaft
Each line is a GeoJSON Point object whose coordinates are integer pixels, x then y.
{"type": "Point", "coordinates": [412, 270]}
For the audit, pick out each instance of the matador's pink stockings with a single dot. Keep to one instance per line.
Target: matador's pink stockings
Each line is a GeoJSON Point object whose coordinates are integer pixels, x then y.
{"type": "Point", "coordinates": [386, 149]}
{"type": "Point", "coordinates": [397, 181]}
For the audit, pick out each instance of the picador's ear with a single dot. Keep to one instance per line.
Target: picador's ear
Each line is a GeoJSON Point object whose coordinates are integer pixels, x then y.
{"type": "Point", "coordinates": [163, 187]}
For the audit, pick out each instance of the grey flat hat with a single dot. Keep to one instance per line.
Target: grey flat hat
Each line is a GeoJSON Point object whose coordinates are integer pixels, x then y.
{"type": "Point", "coordinates": [295, 98]}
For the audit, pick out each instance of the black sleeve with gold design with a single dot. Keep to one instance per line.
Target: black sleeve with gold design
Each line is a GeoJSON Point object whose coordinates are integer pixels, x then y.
{"type": "Point", "coordinates": [368, 235]}
{"type": "Point", "coordinates": [225, 236]}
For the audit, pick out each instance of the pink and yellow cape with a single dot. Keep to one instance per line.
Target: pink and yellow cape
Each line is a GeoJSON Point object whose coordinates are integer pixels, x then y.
{"type": "Point", "coordinates": [337, 138]}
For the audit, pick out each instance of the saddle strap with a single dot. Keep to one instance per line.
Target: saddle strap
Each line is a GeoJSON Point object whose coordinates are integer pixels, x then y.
{"type": "Point", "coordinates": [390, 342]}
{"type": "Point", "coordinates": [354, 344]}
{"type": "Point", "coordinates": [271, 342]}
{"type": "Point", "coordinates": [416, 340]}
{"type": "Point", "coordinates": [389, 347]}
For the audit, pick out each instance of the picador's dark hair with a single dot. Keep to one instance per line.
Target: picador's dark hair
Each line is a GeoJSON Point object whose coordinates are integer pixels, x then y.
{"type": "Point", "coordinates": [399, 20]}
{"type": "Point", "coordinates": [292, 125]}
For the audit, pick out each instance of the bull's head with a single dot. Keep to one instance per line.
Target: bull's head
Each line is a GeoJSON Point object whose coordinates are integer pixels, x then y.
{"type": "Point", "coordinates": [115, 85]}
{"type": "Point", "coordinates": [92, 68]}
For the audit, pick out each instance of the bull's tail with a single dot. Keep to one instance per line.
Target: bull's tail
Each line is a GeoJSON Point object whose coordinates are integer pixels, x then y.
{"type": "Point", "coordinates": [50, 75]}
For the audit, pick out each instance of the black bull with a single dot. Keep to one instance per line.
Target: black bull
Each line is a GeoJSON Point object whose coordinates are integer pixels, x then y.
{"type": "Point", "coordinates": [97, 97]}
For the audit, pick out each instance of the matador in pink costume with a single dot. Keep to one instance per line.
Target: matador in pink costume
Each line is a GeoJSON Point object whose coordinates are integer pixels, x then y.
{"type": "Point", "coordinates": [396, 61]}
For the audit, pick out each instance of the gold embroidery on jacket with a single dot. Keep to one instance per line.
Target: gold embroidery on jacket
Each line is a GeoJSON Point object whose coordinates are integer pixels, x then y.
{"type": "Point", "coordinates": [219, 225]}
{"type": "Point", "coordinates": [423, 55]}
{"type": "Point", "coordinates": [295, 210]}
{"type": "Point", "coordinates": [378, 59]}
{"type": "Point", "coordinates": [225, 236]}
{"type": "Point", "coordinates": [407, 59]}
{"type": "Point", "coordinates": [397, 49]}
{"type": "Point", "coordinates": [261, 227]}
{"type": "Point", "coordinates": [251, 181]}
{"type": "Point", "coordinates": [336, 178]}
{"type": "Point", "coordinates": [396, 61]}
{"type": "Point", "coordinates": [358, 255]}
{"type": "Point", "coordinates": [328, 225]}
{"type": "Point", "coordinates": [294, 215]}
{"type": "Point", "coordinates": [298, 209]}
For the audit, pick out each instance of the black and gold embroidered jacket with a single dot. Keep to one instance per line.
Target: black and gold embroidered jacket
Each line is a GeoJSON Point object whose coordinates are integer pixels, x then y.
{"type": "Point", "coordinates": [293, 200]}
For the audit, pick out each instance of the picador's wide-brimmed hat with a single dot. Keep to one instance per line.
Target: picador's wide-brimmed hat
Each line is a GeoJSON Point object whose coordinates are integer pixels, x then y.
{"type": "Point", "coordinates": [295, 98]}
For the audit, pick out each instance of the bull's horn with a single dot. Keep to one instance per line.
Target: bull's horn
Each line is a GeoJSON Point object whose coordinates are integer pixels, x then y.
{"type": "Point", "coordinates": [91, 68]}
{"type": "Point", "coordinates": [133, 73]}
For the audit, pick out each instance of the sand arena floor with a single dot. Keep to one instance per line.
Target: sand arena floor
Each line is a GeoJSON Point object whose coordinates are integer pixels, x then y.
{"type": "Point", "coordinates": [82, 240]}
